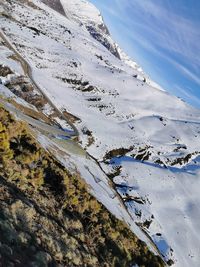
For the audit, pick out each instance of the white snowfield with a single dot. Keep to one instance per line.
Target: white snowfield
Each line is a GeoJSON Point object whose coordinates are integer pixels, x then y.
{"type": "Point", "coordinates": [86, 14]}
{"type": "Point", "coordinates": [153, 137]}
{"type": "Point", "coordinates": [82, 11]}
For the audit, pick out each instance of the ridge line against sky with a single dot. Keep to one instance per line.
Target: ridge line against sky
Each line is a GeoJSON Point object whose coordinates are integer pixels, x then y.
{"type": "Point", "coordinates": [163, 37]}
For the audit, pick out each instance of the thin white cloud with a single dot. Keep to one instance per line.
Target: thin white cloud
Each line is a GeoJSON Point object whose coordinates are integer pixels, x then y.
{"type": "Point", "coordinates": [151, 47]}
{"type": "Point", "coordinates": [187, 94]}
{"type": "Point", "coordinates": [162, 25]}
{"type": "Point", "coordinates": [156, 27]}
{"type": "Point", "coordinates": [171, 31]}
{"type": "Point", "coordinates": [187, 72]}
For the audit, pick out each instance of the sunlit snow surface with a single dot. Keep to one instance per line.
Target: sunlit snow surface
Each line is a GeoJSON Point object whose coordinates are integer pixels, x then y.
{"type": "Point", "coordinates": [121, 111]}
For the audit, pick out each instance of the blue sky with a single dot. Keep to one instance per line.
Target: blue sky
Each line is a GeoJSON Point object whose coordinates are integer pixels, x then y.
{"type": "Point", "coordinates": [163, 36]}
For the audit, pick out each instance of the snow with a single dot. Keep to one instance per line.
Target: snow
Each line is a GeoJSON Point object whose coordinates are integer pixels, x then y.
{"type": "Point", "coordinates": [89, 18]}
{"type": "Point", "coordinates": [8, 79]}
{"type": "Point", "coordinates": [73, 158]}
{"type": "Point", "coordinates": [6, 59]}
{"type": "Point", "coordinates": [124, 57]}
{"type": "Point", "coordinates": [127, 113]}
{"type": "Point", "coordinates": [47, 109]}
{"type": "Point", "coordinates": [85, 13]}
{"type": "Point", "coordinates": [174, 197]}
{"type": "Point", "coordinates": [62, 123]}
{"type": "Point", "coordinates": [141, 74]}
{"type": "Point", "coordinates": [82, 11]}
{"type": "Point", "coordinates": [5, 92]}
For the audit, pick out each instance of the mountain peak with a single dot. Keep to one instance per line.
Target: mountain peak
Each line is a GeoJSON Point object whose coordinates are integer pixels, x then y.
{"type": "Point", "coordinates": [86, 14]}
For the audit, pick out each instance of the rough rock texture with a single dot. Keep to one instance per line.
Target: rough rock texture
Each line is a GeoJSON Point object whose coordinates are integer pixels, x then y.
{"type": "Point", "coordinates": [55, 4]}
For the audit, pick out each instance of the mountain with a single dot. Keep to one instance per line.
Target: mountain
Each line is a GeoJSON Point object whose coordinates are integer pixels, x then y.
{"type": "Point", "coordinates": [47, 216]}
{"type": "Point", "coordinates": [88, 16]}
{"type": "Point", "coordinates": [137, 146]}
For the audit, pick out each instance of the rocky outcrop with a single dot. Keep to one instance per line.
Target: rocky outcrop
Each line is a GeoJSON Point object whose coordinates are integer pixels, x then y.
{"type": "Point", "coordinates": [55, 4]}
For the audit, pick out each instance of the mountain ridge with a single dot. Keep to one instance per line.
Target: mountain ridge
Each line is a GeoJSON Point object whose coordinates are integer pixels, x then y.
{"type": "Point", "coordinates": [88, 15]}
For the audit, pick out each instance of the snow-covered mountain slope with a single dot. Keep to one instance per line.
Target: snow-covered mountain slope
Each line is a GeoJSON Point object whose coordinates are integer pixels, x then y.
{"type": "Point", "coordinates": [86, 14]}
{"type": "Point", "coordinates": [126, 59]}
{"type": "Point", "coordinates": [141, 74]}
{"type": "Point", "coordinates": [147, 141]}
